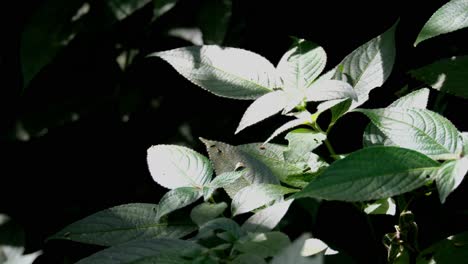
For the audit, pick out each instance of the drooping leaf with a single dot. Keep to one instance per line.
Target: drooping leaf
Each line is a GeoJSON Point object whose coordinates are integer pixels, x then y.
{"type": "Point", "coordinates": [205, 212]}
{"type": "Point", "coordinates": [176, 199]}
{"type": "Point", "coordinates": [383, 206]}
{"type": "Point", "coordinates": [121, 9]}
{"type": "Point", "coordinates": [450, 175]}
{"type": "Point", "coordinates": [176, 166]}
{"type": "Point", "coordinates": [48, 31]}
{"type": "Point", "coordinates": [257, 195]}
{"type": "Point", "coordinates": [301, 142]}
{"type": "Point", "coordinates": [293, 254]}
{"type": "Point", "coordinates": [227, 72]}
{"type": "Point", "coordinates": [226, 158]}
{"type": "Point", "coordinates": [464, 137]}
{"type": "Point", "coordinates": [450, 250]}
{"type": "Point", "coordinates": [162, 6]}
{"type": "Point", "coordinates": [372, 173]}
{"type": "Point", "coordinates": [161, 250]}
{"type": "Point", "coordinates": [122, 224]}
{"type": "Point", "coordinates": [263, 244]}
{"type": "Point", "coordinates": [224, 224]}
{"type": "Point", "coordinates": [262, 108]}
{"type": "Point", "coordinates": [301, 65]}
{"type": "Point", "coordinates": [330, 90]}
{"type": "Point", "coordinates": [366, 68]}
{"type": "Point", "coordinates": [418, 129]}
{"type": "Point", "coordinates": [450, 17]}
{"type": "Point", "coordinates": [214, 17]}
{"type": "Point", "coordinates": [268, 218]}
{"type": "Point", "coordinates": [248, 259]}
{"type": "Point", "coordinates": [447, 75]}
{"type": "Point", "coordinates": [417, 99]}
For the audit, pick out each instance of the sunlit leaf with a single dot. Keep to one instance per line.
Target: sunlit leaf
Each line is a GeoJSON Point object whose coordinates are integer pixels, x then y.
{"type": "Point", "coordinates": [176, 166]}
{"type": "Point", "coordinates": [227, 72]}
{"type": "Point", "coordinates": [450, 17]}
{"type": "Point", "coordinates": [301, 65]}
{"type": "Point", "coordinates": [418, 129]}
{"type": "Point", "coordinates": [372, 173]}
{"type": "Point", "coordinates": [262, 108]}
{"type": "Point", "coordinates": [176, 199]}
{"type": "Point", "coordinates": [226, 158]}
{"type": "Point", "coordinates": [267, 218]}
{"type": "Point", "coordinates": [330, 90]}
{"type": "Point", "coordinates": [257, 195]}
{"type": "Point", "coordinates": [383, 206]}
{"type": "Point", "coordinates": [293, 254]}
{"type": "Point", "coordinates": [450, 175]}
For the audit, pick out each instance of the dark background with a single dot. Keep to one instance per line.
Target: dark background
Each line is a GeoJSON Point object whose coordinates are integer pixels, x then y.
{"type": "Point", "coordinates": [68, 149]}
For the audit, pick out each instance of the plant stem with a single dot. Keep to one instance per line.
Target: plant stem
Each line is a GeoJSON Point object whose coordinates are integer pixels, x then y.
{"type": "Point", "coordinates": [330, 149]}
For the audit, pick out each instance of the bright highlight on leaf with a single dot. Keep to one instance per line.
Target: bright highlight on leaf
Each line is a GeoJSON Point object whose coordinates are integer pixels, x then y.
{"type": "Point", "coordinates": [227, 72]}
{"type": "Point", "coordinates": [450, 17]}
{"type": "Point", "coordinates": [175, 166]}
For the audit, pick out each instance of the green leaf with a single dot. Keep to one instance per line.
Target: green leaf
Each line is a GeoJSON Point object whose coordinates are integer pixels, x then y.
{"type": "Point", "coordinates": [226, 158]}
{"type": "Point", "coordinates": [450, 17]}
{"type": "Point", "coordinates": [464, 137]}
{"type": "Point", "coordinates": [248, 259]}
{"type": "Point", "coordinates": [447, 75]}
{"type": "Point", "coordinates": [266, 219]}
{"type": "Point", "coordinates": [263, 244]}
{"type": "Point", "coordinates": [162, 250]}
{"type": "Point", "coordinates": [48, 31]}
{"type": "Point", "coordinates": [214, 27]}
{"type": "Point", "coordinates": [122, 224]}
{"type": "Point", "coordinates": [257, 195]}
{"type": "Point", "coordinates": [372, 173]}
{"type": "Point", "coordinates": [313, 246]}
{"type": "Point", "coordinates": [450, 250]}
{"type": "Point", "coordinates": [205, 212]}
{"type": "Point", "coordinates": [221, 181]}
{"type": "Point", "coordinates": [225, 179]}
{"type": "Point", "coordinates": [262, 108]}
{"type": "Point", "coordinates": [175, 166]}
{"type": "Point", "coordinates": [450, 175]}
{"type": "Point", "coordinates": [272, 155]}
{"type": "Point", "coordinates": [301, 119]}
{"type": "Point", "coordinates": [418, 129]}
{"type": "Point", "coordinates": [417, 99]}
{"type": "Point", "coordinates": [227, 72]}
{"type": "Point", "coordinates": [121, 9]}
{"type": "Point", "coordinates": [293, 254]}
{"type": "Point", "coordinates": [176, 199]}
{"type": "Point", "coordinates": [162, 6]}
{"type": "Point", "coordinates": [368, 66]}
{"type": "Point", "coordinates": [301, 65]}
{"type": "Point", "coordinates": [224, 224]}
{"type": "Point", "coordinates": [330, 90]}
{"type": "Point", "coordinates": [383, 206]}
{"type": "Point", "coordinates": [301, 142]}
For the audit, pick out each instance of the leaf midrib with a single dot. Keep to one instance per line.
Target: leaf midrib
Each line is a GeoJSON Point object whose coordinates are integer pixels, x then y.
{"type": "Point", "coordinates": [121, 229]}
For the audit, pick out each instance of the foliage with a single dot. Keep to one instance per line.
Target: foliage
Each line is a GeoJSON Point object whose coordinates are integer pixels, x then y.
{"type": "Point", "coordinates": [407, 149]}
